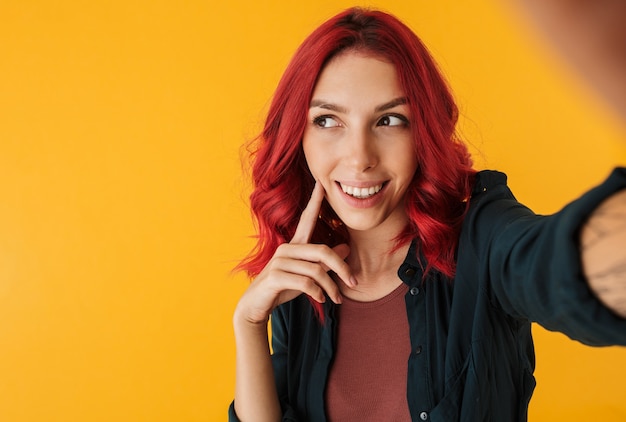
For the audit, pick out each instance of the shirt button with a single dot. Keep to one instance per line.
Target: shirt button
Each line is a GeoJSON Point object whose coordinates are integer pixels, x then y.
{"type": "Point", "coordinates": [418, 350]}
{"type": "Point", "coordinates": [409, 272]}
{"type": "Point", "coordinates": [424, 416]}
{"type": "Point", "coordinates": [414, 291]}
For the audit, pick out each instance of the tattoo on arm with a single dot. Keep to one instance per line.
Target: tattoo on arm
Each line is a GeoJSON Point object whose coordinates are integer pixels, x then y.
{"type": "Point", "coordinates": [603, 251]}
{"type": "Point", "coordinates": [604, 223]}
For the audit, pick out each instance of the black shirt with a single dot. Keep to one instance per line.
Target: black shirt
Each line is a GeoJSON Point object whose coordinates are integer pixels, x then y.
{"type": "Point", "coordinates": [472, 353]}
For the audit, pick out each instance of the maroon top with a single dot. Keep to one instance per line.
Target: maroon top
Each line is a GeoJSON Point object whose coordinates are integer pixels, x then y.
{"type": "Point", "coordinates": [367, 380]}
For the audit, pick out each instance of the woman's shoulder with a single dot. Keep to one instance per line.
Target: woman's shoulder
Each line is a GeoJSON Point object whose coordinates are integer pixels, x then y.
{"type": "Point", "coordinates": [486, 179]}
{"type": "Point", "coordinates": [489, 185]}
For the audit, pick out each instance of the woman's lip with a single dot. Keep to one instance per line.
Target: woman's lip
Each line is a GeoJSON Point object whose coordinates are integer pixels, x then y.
{"type": "Point", "coordinates": [361, 184]}
{"type": "Point", "coordinates": [361, 193]}
{"type": "Point", "coordinates": [366, 202]}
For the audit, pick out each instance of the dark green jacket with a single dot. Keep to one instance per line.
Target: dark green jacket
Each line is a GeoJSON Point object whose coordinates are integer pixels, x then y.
{"type": "Point", "coordinates": [473, 356]}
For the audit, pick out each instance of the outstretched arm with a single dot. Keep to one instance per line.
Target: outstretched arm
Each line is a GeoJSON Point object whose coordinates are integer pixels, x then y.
{"type": "Point", "coordinates": [603, 252]}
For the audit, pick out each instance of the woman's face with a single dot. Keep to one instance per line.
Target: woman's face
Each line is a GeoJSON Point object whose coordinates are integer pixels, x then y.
{"type": "Point", "coordinates": [358, 142]}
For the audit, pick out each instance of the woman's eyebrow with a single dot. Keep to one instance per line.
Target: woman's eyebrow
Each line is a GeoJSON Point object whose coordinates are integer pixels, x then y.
{"type": "Point", "coordinates": [328, 106]}
{"type": "Point", "coordinates": [391, 104]}
{"type": "Point", "coordinates": [335, 107]}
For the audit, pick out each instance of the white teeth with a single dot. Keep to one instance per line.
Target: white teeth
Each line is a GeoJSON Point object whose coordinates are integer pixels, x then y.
{"type": "Point", "coordinates": [361, 193]}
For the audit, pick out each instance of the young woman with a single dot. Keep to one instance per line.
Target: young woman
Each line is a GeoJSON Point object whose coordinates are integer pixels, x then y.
{"type": "Point", "coordinates": [401, 283]}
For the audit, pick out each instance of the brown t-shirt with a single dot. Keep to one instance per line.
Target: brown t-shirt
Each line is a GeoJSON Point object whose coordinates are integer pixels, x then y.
{"type": "Point", "coordinates": [367, 380]}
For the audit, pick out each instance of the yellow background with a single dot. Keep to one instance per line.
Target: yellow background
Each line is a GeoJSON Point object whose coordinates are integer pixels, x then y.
{"type": "Point", "coordinates": [122, 205]}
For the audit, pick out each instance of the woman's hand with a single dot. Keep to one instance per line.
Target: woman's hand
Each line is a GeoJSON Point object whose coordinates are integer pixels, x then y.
{"type": "Point", "coordinates": [297, 267]}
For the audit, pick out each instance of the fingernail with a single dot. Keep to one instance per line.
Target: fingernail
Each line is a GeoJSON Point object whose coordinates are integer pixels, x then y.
{"type": "Point", "coordinates": [353, 281]}
{"type": "Point", "coordinates": [338, 300]}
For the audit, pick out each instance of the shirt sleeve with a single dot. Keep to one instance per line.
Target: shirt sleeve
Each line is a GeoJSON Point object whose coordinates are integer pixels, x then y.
{"type": "Point", "coordinates": [280, 362]}
{"type": "Point", "coordinates": [530, 264]}
{"type": "Point", "coordinates": [232, 416]}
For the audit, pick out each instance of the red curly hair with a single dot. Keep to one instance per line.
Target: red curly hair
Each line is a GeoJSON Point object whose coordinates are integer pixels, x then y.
{"type": "Point", "coordinates": [437, 198]}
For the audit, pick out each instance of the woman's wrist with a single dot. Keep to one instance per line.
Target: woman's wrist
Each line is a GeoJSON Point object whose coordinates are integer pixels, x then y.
{"type": "Point", "coordinates": [243, 323]}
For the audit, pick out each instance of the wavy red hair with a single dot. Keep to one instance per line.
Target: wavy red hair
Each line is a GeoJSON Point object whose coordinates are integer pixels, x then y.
{"type": "Point", "coordinates": [437, 199]}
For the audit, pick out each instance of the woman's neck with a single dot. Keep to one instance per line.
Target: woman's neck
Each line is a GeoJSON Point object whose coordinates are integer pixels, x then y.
{"type": "Point", "coordinates": [374, 263]}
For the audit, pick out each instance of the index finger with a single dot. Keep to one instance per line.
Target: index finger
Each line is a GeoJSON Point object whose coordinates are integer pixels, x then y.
{"type": "Point", "coordinates": [309, 216]}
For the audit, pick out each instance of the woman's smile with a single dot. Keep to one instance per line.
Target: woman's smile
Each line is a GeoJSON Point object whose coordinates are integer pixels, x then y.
{"type": "Point", "coordinates": [363, 192]}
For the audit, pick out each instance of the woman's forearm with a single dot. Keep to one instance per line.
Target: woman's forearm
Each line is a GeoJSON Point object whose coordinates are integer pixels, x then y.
{"type": "Point", "coordinates": [256, 398]}
{"type": "Point", "coordinates": [603, 252]}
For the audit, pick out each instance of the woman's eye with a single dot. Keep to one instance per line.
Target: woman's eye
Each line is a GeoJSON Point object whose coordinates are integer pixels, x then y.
{"type": "Point", "coordinates": [391, 120]}
{"type": "Point", "coordinates": [325, 122]}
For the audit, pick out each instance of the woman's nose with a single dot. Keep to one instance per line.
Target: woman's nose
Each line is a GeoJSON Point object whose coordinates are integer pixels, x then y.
{"type": "Point", "coordinates": [361, 151]}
